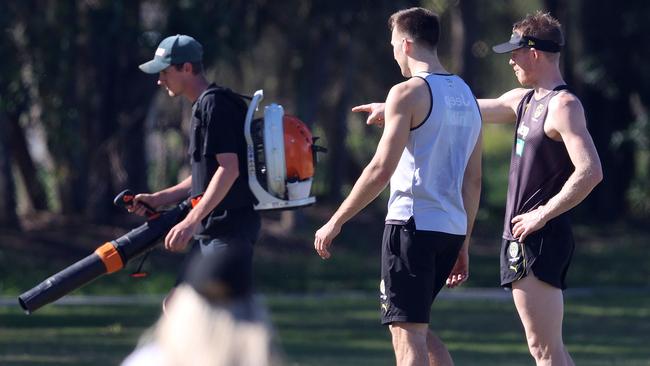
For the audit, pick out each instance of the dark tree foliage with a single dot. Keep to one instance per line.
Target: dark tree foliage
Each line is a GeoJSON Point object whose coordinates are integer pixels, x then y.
{"type": "Point", "coordinates": [611, 73]}
{"type": "Point", "coordinates": [8, 215]}
{"type": "Point", "coordinates": [69, 69]}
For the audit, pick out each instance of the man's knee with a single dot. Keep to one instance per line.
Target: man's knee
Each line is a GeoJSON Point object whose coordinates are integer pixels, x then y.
{"type": "Point", "coordinates": [538, 349]}
{"type": "Point", "coordinates": [410, 343]}
{"type": "Point", "coordinates": [544, 349]}
{"type": "Point", "coordinates": [413, 334]}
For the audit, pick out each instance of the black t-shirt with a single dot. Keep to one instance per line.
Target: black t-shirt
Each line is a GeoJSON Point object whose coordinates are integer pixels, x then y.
{"type": "Point", "coordinates": [218, 118]}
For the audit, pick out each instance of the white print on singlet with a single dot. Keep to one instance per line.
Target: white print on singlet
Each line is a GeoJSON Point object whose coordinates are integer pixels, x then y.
{"type": "Point", "coordinates": [427, 183]}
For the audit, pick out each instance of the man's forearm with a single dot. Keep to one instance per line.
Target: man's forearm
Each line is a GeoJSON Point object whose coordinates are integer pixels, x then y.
{"type": "Point", "coordinates": [471, 201]}
{"type": "Point", "coordinates": [372, 181]}
{"type": "Point", "coordinates": [574, 191]}
{"type": "Point", "coordinates": [175, 193]}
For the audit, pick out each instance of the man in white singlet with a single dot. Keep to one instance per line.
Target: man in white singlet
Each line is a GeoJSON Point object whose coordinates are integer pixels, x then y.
{"type": "Point", "coordinates": [430, 151]}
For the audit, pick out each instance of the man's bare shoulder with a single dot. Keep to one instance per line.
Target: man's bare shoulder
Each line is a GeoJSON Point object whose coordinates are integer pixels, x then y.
{"type": "Point", "coordinates": [408, 90]}
{"type": "Point", "coordinates": [566, 113]}
{"type": "Point", "coordinates": [564, 100]}
{"type": "Point", "coordinates": [410, 99]}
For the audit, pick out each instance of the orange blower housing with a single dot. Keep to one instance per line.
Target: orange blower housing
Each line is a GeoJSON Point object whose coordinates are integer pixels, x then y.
{"type": "Point", "coordinates": [298, 152]}
{"type": "Point", "coordinates": [281, 157]}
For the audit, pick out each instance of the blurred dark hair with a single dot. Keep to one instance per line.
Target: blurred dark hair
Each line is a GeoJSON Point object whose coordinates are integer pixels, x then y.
{"type": "Point", "coordinates": [420, 24]}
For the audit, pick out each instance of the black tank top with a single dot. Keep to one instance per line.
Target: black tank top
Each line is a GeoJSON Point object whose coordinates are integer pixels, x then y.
{"type": "Point", "coordinates": [539, 165]}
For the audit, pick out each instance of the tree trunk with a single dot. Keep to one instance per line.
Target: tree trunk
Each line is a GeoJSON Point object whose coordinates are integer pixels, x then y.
{"type": "Point", "coordinates": [456, 40]}
{"type": "Point", "coordinates": [134, 91]}
{"type": "Point", "coordinates": [606, 101]}
{"type": "Point", "coordinates": [25, 164]}
{"type": "Point", "coordinates": [8, 216]}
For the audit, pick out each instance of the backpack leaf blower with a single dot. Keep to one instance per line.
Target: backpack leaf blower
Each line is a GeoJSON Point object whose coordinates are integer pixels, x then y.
{"type": "Point", "coordinates": [281, 155]}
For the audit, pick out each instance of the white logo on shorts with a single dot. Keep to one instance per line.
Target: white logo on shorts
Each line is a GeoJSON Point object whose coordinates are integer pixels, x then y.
{"type": "Point", "coordinates": [513, 251]}
{"type": "Point", "coordinates": [384, 299]}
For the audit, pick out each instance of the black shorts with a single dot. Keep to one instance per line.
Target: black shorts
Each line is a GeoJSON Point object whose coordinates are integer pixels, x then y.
{"type": "Point", "coordinates": [240, 230]}
{"type": "Point", "coordinates": [414, 267]}
{"type": "Point", "coordinates": [546, 252]}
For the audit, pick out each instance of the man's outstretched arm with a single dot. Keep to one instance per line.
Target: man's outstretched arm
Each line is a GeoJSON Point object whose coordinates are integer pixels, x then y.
{"type": "Point", "coordinates": [376, 175]}
{"type": "Point", "coordinates": [502, 109]}
{"type": "Point", "coordinates": [499, 110]}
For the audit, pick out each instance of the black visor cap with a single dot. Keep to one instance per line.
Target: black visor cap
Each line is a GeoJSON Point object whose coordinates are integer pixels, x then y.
{"type": "Point", "coordinates": [517, 41]}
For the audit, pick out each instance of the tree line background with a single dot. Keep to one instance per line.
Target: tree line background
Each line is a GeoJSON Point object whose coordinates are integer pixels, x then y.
{"type": "Point", "coordinates": [80, 122]}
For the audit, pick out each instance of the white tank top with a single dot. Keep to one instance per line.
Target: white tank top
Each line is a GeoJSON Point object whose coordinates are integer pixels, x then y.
{"type": "Point", "coordinates": [427, 184]}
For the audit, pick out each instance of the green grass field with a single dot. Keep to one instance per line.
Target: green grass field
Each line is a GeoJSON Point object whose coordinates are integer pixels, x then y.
{"type": "Point", "coordinates": [601, 328]}
{"type": "Point", "coordinates": [607, 316]}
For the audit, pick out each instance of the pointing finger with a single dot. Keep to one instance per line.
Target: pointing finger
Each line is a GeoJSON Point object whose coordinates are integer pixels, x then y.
{"type": "Point", "coordinates": [361, 108]}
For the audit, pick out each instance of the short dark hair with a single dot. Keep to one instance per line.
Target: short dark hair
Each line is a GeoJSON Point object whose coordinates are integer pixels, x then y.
{"type": "Point", "coordinates": [197, 67]}
{"type": "Point", "coordinates": [422, 25]}
{"type": "Point", "coordinates": [541, 26]}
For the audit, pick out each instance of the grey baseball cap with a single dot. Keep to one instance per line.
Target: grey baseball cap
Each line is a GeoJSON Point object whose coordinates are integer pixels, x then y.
{"type": "Point", "coordinates": [173, 50]}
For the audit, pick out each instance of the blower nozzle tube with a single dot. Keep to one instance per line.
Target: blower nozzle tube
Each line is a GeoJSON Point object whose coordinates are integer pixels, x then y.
{"type": "Point", "coordinates": [108, 258]}
{"type": "Point", "coordinates": [62, 283]}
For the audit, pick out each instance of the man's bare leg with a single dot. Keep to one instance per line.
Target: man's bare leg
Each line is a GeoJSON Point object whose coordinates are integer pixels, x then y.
{"type": "Point", "coordinates": [541, 310]}
{"type": "Point", "coordinates": [410, 343]}
{"type": "Point", "coordinates": [438, 353]}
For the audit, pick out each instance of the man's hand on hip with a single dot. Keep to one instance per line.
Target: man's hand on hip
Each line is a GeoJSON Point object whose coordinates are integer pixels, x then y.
{"type": "Point", "coordinates": [528, 223]}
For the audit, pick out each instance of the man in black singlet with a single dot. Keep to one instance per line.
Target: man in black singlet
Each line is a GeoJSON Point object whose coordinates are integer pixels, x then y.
{"type": "Point", "coordinates": [554, 166]}
{"type": "Point", "coordinates": [222, 215]}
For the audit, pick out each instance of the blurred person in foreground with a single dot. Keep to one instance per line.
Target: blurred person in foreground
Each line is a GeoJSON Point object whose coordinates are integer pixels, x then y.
{"type": "Point", "coordinates": [430, 151]}
{"type": "Point", "coordinates": [222, 214]}
{"type": "Point", "coordinates": [554, 166]}
{"type": "Point", "coordinates": [213, 319]}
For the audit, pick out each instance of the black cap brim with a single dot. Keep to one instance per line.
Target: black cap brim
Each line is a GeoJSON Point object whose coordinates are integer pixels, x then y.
{"type": "Point", "coordinates": [154, 66]}
{"type": "Point", "coordinates": [506, 47]}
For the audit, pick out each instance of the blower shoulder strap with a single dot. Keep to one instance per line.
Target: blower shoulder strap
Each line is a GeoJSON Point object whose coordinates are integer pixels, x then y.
{"type": "Point", "coordinates": [213, 89]}
{"type": "Point", "coordinates": [238, 99]}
